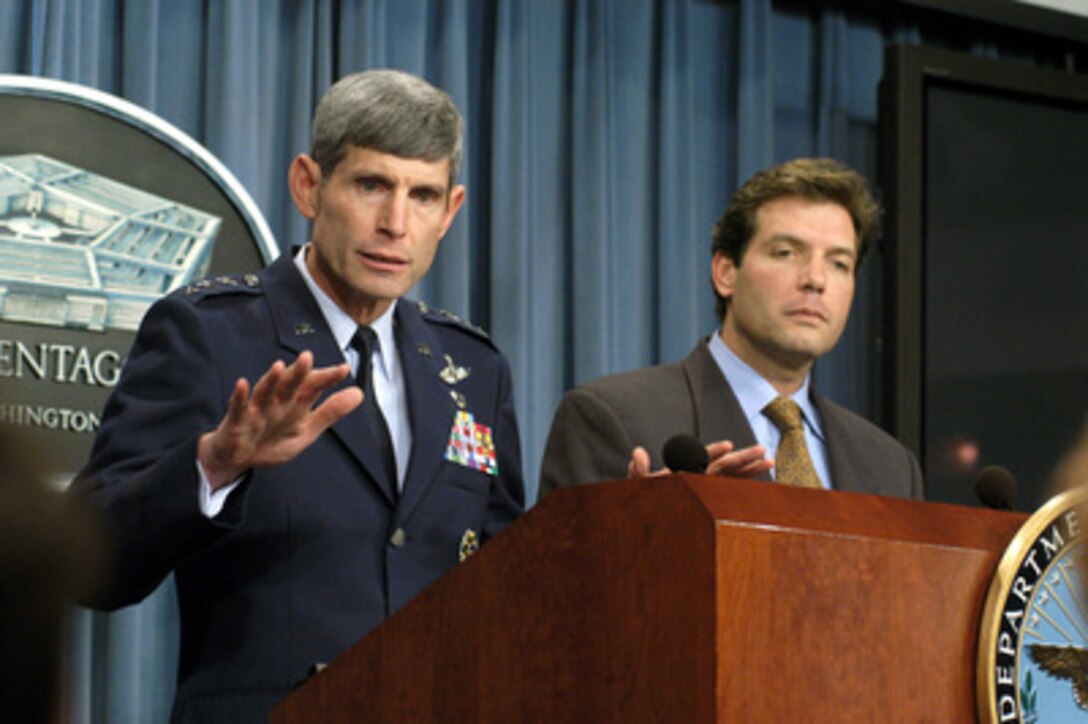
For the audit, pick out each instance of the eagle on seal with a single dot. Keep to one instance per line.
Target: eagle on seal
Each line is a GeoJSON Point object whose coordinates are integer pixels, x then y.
{"type": "Point", "coordinates": [1065, 662]}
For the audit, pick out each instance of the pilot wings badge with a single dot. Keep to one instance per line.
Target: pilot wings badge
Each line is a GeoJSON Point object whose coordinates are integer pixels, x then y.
{"type": "Point", "coordinates": [451, 374]}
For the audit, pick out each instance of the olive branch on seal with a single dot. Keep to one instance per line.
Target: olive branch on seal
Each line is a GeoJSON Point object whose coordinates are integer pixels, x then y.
{"type": "Point", "coordinates": [1029, 702]}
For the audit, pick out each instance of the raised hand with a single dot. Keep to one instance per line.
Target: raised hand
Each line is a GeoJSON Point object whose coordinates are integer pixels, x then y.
{"type": "Point", "coordinates": [277, 421]}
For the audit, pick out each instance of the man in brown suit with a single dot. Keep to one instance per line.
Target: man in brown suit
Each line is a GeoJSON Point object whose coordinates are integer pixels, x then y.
{"type": "Point", "coordinates": [785, 255]}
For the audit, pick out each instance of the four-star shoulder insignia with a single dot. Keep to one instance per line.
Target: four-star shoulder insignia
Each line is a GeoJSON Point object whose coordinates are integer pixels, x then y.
{"type": "Point", "coordinates": [442, 316]}
{"type": "Point", "coordinates": [222, 284]}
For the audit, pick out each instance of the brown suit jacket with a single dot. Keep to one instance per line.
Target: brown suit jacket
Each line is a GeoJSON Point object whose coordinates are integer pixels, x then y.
{"type": "Point", "coordinates": [598, 424]}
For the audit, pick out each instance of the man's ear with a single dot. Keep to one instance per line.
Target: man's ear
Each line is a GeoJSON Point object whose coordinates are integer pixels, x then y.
{"type": "Point", "coordinates": [723, 273]}
{"type": "Point", "coordinates": [457, 197]}
{"type": "Point", "coordinates": [304, 181]}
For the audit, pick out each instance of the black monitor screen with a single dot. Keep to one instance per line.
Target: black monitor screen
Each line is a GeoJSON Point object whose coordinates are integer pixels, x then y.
{"type": "Point", "coordinates": [1005, 271]}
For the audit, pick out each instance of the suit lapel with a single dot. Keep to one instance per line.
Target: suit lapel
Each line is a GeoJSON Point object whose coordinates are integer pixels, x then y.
{"type": "Point", "coordinates": [844, 475]}
{"type": "Point", "coordinates": [431, 408]}
{"type": "Point", "coordinates": [300, 325]}
{"type": "Point", "coordinates": [718, 415]}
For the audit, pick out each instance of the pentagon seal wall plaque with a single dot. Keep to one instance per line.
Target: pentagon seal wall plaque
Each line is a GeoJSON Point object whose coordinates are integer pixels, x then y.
{"type": "Point", "coordinates": [104, 208]}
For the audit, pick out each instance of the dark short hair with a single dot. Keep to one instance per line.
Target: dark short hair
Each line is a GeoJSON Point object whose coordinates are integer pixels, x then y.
{"type": "Point", "coordinates": [815, 179]}
{"type": "Point", "coordinates": [388, 111]}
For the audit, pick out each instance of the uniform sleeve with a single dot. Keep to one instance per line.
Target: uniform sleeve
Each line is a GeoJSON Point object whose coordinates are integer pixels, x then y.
{"type": "Point", "coordinates": [586, 444]}
{"type": "Point", "coordinates": [507, 499]}
{"type": "Point", "coordinates": [141, 475]}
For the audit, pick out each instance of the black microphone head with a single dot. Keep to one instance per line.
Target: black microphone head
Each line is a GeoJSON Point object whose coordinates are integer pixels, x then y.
{"type": "Point", "coordinates": [684, 453]}
{"type": "Point", "coordinates": [996, 487]}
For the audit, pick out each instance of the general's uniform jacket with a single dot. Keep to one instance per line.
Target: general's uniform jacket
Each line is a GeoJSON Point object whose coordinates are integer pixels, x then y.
{"type": "Point", "coordinates": [307, 556]}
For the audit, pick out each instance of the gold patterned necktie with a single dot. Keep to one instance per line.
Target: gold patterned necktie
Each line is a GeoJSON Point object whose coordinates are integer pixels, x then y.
{"type": "Point", "coordinates": [792, 463]}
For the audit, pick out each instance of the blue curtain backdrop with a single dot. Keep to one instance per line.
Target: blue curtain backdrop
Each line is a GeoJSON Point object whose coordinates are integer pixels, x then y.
{"type": "Point", "coordinates": [604, 139]}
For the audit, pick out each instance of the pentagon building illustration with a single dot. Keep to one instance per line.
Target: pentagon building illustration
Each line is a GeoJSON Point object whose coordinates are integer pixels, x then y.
{"type": "Point", "coordinates": [83, 251]}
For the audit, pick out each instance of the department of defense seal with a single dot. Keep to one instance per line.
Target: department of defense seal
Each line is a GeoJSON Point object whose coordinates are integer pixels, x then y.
{"type": "Point", "coordinates": [1033, 641]}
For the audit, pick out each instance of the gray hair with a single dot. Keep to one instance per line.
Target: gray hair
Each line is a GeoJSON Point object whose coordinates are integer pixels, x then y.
{"type": "Point", "coordinates": [388, 111]}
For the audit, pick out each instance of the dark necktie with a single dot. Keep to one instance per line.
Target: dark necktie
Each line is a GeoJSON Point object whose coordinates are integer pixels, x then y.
{"type": "Point", "coordinates": [792, 463]}
{"type": "Point", "coordinates": [364, 342]}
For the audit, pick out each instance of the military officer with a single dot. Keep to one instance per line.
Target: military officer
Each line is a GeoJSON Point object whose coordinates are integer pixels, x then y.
{"type": "Point", "coordinates": [304, 449]}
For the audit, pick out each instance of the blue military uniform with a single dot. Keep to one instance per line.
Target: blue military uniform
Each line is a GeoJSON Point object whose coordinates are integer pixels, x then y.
{"type": "Point", "coordinates": [308, 556]}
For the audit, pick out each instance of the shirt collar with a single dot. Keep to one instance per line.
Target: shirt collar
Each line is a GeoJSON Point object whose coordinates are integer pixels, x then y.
{"type": "Point", "coordinates": [753, 392]}
{"type": "Point", "coordinates": [341, 324]}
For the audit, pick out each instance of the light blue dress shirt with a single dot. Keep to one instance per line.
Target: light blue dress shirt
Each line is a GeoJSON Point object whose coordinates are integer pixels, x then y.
{"type": "Point", "coordinates": [754, 393]}
{"type": "Point", "coordinates": [389, 386]}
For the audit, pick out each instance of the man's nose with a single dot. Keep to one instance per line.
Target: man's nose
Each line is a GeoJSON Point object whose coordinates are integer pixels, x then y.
{"type": "Point", "coordinates": [394, 216]}
{"type": "Point", "coordinates": [814, 274]}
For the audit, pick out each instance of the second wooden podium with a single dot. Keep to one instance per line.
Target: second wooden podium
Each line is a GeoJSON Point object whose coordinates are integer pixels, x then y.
{"type": "Point", "coordinates": [687, 598]}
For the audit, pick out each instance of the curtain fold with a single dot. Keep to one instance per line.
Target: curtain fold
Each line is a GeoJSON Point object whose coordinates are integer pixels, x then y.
{"type": "Point", "coordinates": [604, 138]}
{"type": "Point", "coordinates": [530, 206]}
{"type": "Point", "coordinates": [756, 92]}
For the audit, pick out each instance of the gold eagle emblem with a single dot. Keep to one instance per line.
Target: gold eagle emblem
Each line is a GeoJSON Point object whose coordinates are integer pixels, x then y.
{"type": "Point", "coordinates": [1065, 662]}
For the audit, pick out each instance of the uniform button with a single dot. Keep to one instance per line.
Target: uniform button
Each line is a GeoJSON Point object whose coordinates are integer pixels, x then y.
{"type": "Point", "coordinates": [398, 538]}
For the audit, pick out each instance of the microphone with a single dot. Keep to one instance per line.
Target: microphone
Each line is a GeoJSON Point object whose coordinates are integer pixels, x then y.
{"type": "Point", "coordinates": [996, 487]}
{"type": "Point", "coordinates": [684, 453]}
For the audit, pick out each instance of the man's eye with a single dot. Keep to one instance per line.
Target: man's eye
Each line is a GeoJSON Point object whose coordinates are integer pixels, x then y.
{"type": "Point", "coordinates": [369, 184]}
{"type": "Point", "coordinates": [782, 252]}
{"type": "Point", "coordinates": [842, 266]}
{"type": "Point", "coordinates": [425, 195]}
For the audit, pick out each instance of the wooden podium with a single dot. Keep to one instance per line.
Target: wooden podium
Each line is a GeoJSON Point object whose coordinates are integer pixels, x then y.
{"type": "Point", "coordinates": [687, 599]}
